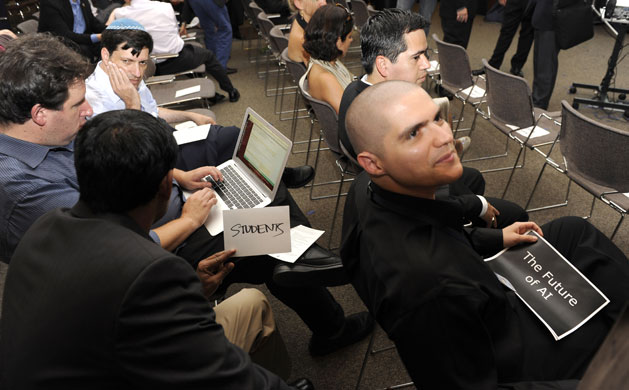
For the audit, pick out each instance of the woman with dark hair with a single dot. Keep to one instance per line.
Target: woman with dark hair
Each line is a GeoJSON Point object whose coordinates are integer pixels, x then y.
{"type": "Point", "coordinates": [327, 38]}
{"type": "Point", "coordinates": [304, 9]}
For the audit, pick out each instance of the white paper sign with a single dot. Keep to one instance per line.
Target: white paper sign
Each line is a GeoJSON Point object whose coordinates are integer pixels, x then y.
{"type": "Point", "coordinates": [188, 91]}
{"type": "Point", "coordinates": [257, 231]}
{"type": "Point", "coordinates": [537, 132]}
{"type": "Point", "coordinates": [434, 65]}
{"type": "Point", "coordinates": [476, 92]}
{"type": "Point", "coordinates": [191, 134]}
{"type": "Point", "coordinates": [301, 237]}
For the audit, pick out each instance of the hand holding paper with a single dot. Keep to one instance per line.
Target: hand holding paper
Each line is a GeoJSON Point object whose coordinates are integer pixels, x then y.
{"type": "Point", "coordinates": [516, 233]}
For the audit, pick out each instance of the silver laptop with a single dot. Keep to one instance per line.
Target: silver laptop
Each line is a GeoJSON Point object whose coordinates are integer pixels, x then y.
{"type": "Point", "coordinates": [251, 178]}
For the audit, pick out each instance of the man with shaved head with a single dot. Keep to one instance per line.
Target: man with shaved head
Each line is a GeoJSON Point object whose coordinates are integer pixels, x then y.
{"type": "Point", "coordinates": [422, 275]}
{"type": "Point", "coordinates": [394, 46]}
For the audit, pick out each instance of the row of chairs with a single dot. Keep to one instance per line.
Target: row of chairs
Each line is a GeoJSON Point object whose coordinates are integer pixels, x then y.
{"type": "Point", "coordinates": [591, 152]}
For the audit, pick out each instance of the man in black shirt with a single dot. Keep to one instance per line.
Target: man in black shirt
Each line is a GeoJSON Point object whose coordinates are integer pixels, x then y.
{"type": "Point", "coordinates": [421, 274]}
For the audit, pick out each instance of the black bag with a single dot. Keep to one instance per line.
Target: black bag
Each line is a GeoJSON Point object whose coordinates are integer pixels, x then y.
{"type": "Point", "coordinates": [573, 22]}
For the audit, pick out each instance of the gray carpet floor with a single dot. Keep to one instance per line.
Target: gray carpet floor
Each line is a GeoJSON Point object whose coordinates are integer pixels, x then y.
{"type": "Point", "coordinates": [585, 63]}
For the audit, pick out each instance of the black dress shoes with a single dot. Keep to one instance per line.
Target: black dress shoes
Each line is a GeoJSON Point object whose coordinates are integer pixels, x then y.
{"type": "Point", "coordinates": [316, 267]}
{"type": "Point", "coordinates": [302, 384]}
{"type": "Point", "coordinates": [234, 95]}
{"type": "Point", "coordinates": [516, 72]}
{"type": "Point", "coordinates": [229, 70]}
{"type": "Point", "coordinates": [217, 98]}
{"type": "Point", "coordinates": [298, 177]}
{"type": "Point", "coordinates": [478, 72]}
{"type": "Point", "coordinates": [356, 327]}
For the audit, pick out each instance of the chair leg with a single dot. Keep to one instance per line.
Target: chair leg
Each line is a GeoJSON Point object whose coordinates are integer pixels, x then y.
{"type": "Point", "coordinates": [367, 353]}
{"type": "Point", "coordinates": [515, 164]}
{"type": "Point", "coordinates": [552, 206]}
{"type": "Point", "coordinates": [622, 217]}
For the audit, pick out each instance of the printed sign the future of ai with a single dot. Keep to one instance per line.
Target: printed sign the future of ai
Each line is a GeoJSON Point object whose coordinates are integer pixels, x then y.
{"type": "Point", "coordinates": [558, 293]}
{"type": "Point", "coordinates": [258, 231]}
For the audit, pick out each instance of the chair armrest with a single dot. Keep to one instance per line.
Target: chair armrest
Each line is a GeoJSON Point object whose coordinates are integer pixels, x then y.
{"type": "Point", "coordinates": [165, 79]}
{"type": "Point", "coordinates": [164, 56]}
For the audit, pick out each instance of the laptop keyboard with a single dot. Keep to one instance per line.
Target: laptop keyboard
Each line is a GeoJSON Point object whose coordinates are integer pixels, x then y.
{"type": "Point", "coordinates": [234, 191]}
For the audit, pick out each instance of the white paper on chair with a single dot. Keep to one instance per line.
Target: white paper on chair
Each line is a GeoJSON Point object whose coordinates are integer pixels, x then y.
{"type": "Point", "coordinates": [476, 92]}
{"type": "Point", "coordinates": [538, 132]}
{"type": "Point", "coordinates": [434, 65]}
{"type": "Point", "coordinates": [626, 194]}
{"type": "Point", "coordinates": [301, 237]}
{"type": "Point", "coordinates": [188, 91]}
{"type": "Point", "coordinates": [191, 134]}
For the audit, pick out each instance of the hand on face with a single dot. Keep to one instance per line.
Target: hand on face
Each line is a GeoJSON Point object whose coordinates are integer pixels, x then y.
{"type": "Point", "coordinates": [122, 86]}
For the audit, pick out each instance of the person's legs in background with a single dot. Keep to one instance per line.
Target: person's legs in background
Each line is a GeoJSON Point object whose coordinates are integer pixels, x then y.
{"type": "Point", "coordinates": [545, 66]}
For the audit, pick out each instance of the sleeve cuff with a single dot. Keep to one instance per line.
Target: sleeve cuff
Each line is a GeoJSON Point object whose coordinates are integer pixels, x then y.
{"type": "Point", "coordinates": [484, 203]}
{"type": "Point", "coordinates": [155, 237]}
{"type": "Point", "coordinates": [94, 38]}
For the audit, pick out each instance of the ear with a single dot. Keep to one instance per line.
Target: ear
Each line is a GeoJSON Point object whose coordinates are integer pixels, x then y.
{"type": "Point", "coordinates": [165, 186]}
{"type": "Point", "coordinates": [104, 53]}
{"type": "Point", "coordinates": [339, 43]}
{"type": "Point", "coordinates": [39, 115]}
{"type": "Point", "coordinates": [382, 66]}
{"type": "Point", "coordinates": [371, 163]}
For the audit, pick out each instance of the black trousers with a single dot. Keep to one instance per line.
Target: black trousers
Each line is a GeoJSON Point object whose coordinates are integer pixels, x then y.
{"type": "Point", "coordinates": [514, 15]}
{"type": "Point", "coordinates": [192, 56]}
{"type": "Point", "coordinates": [453, 31]}
{"type": "Point", "coordinates": [217, 148]}
{"type": "Point", "coordinates": [545, 66]}
{"type": "Point", "coordinates": [314, 305]}
{"type": "Point", "coordinates": [608, 269]}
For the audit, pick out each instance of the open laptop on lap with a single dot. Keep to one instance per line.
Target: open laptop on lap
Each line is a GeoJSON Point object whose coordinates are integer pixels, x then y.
{"type": "Point", "coordinates": [251, 178]}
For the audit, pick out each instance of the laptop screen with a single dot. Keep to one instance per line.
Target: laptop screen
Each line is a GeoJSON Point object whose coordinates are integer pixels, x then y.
{"type": "Point", "coordinates": [262, 150]}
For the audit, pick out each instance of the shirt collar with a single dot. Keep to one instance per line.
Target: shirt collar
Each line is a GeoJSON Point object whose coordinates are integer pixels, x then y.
{"type": "Point", "coordinates": [29, 153]}
{"type": "Point", "coordinates": [364, 79]}
{"type": "Point", "coordinates": [431, 211]}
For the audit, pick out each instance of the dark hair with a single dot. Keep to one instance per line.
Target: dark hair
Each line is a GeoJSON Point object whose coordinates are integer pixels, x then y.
{"type": "Point", "coordinates": [134, 39]}
{"type": "Point", "coordinates": [121, 157]}
{"type": "Point", "coordinates": [37, 69]}
{"type": "Point", "coordinates": [329, 23]}
{"type": "Point", "coordinates": [383, 35]}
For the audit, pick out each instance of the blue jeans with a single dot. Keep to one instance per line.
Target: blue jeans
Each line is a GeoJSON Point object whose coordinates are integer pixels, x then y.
{"type": "Point", "coordinates": [216, 28]}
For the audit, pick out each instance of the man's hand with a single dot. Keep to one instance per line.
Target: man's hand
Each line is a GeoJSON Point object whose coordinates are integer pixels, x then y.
{"type": "Point", "coordinates": [213, 270]}
{"type": "Point", "coordinates": [192, 180]}
{"type": "Point", "coordinates": [201, 119]}
{"type": "Point", "coordinates": [183, 31]}
{"type": "Point", "coordinates": [461, 15]}
{"type": "Point", "coordinates": [198, 206]}
{"type": "Point", "coordinates": [515, 234]}
{"type": "Point", "coordinates": [122, 86]}
{"type": "Point", "coordinates": [490, 216]}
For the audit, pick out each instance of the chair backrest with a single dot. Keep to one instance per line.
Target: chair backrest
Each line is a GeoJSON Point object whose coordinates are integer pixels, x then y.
{"type": "Point", "coordinates": [280, 41]}
{"type": "Point", "coordinates": [361, 14]}
{"type": "Point", "coordinates": [327, 117]}
{"type": "Point", "coordinates": [265, 24]}
{"type": "Point", "coordinates": [28, 26]}
{"type": "Point", "coordinates": [455, 68]}
{"type": "Point", "coordinates": [508, 97]}
{"type": "Point", "coordinates": [296, 69]}
{"type": "Point", "coordinates": [593, 150]}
